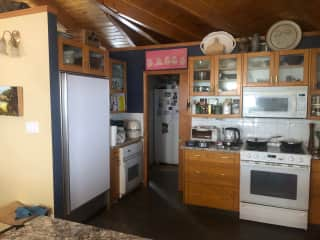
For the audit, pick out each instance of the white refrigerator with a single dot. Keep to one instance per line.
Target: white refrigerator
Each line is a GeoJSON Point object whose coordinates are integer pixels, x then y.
{"type": "Point", "coordinates": [85, 138]}
{"type": "Point", "coordinates": [166, 126]}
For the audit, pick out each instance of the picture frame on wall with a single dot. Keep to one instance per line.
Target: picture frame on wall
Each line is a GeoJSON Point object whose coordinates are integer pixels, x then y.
{"type": "Point", "coordinates": [11, 101]}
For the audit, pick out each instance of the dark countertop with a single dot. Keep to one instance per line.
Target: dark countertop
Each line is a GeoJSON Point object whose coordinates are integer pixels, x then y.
{"type": "Point", "coordinates": [127, 142]}
{"type": "Point", "coordinates": [51, 228]}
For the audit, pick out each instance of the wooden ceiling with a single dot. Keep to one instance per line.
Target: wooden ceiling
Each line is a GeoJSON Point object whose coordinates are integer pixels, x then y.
{"type": "Point", "coordinates": [123, 23]}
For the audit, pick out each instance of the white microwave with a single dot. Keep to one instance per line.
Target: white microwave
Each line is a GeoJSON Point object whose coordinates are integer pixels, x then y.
{"type": "Point", "coordinates": [275, 102]}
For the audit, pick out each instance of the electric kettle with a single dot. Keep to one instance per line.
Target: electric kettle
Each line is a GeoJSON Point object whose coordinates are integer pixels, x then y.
{"type": "Point", "coordinates": [231, 136]}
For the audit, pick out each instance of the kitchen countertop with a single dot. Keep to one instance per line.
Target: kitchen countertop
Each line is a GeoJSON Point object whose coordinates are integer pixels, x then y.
{"type": "Point", "coordinates": [214, 148]}
{"type": "Point", "coordinates": [51, 228]}
{"type": "Point", "coordinates": [127, 142]}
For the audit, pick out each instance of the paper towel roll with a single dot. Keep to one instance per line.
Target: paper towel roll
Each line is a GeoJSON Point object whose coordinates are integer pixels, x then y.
{"type": "Point", "coordinates": [113, 136]}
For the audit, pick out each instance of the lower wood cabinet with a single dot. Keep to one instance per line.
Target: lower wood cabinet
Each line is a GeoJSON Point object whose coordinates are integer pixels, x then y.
{"type": "Point", "coordinates": [114, 175]}
{"type": "Point", "coordinates": [211, 179]}
{"type": "Point", "coordinates": [314, 206]}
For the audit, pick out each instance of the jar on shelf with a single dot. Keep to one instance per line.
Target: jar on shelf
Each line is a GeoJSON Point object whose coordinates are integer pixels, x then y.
{"type": "Point", "coordinates": [235, 106]}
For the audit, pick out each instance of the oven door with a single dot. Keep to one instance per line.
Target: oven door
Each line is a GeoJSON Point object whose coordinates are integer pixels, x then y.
{"type": "Point", "coordinates": [130, 173]}
{"type": "Point", "coordinates": [273, 185]}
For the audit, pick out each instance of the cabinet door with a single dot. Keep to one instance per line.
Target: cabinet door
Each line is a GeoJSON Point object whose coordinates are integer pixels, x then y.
{"type": "Point", "coordinates": [96, 61]}
{"type": "Point", "coordinates": [71, 56]}
{"type": "Point", "coordinates": [228, 74]}
{"type": "Point", "coordinates": [118, 76]}
{"type": "Point", "coordinates": [258, 69]}
{"type": "Point", "coordinates": [315, 71]}
{"type": "Point", "coordinates": [201, 76]}
{"type": "Point", "coordinates": [291, 67]}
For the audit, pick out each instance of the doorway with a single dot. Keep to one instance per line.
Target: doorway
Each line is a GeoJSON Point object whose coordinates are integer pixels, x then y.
{"type": "Point", "coordinates": [166, 121]}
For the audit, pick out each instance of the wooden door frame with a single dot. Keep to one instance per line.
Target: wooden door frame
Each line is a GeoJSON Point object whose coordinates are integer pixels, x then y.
{"type": "Point", "coordinates": [146, 74]}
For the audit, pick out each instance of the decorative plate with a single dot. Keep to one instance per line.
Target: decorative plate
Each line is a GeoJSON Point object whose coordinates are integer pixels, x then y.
{"type": "Point", "coordinates": [224, 38]}
{"type": "Point", "coordinates": [284, 35]}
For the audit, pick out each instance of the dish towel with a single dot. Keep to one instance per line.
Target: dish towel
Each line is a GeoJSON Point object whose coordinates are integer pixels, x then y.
{"type": "Point", "coordinates": [24, 212]}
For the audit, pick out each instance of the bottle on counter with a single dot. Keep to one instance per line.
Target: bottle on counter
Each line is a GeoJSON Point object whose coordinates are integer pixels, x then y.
{"type": "Point", "coordinates": [227, 106]}
{"type": "Point", "coordinates": [194, 107]}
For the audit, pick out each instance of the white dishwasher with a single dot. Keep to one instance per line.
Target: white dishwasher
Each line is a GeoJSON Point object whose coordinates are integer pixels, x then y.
{"type": "Point", "coordinates": [131, 167]}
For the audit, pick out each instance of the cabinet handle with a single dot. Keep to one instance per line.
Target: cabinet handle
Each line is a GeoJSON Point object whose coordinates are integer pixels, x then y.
{"type": "Point", "coordinates": [197, 172]}
{"type": "Point", "coordinates": [222, 174]}
{"type": "Point", "coordinates": [225, 157]}
{"type": "Point", "coordinates": [276, 79]}
{"type": "Point", "coordinates": [196, 155]}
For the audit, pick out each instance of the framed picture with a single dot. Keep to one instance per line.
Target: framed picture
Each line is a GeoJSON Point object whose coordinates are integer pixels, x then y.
{"type": "Point", "coordinates": [11, 101]}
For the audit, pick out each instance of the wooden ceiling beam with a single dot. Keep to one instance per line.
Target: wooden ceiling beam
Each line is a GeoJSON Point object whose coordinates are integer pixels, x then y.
{"type": "Point", "coordinates": [123, 33]}
{"type": "Point", "coordinates": [130, 25]}
{"type": "Point", "coordinates": [149, 20]}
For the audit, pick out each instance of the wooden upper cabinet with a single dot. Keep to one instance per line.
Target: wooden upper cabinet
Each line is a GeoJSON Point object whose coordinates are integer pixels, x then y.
{"type": "Point", "coordinates": [292, 67]}
{"type": "Point", "coordinates": [71, 55]}
{"type": "Point", "coordinates": [201, 77]}
{"type": "Point", "coordinates": [315, 71]}
{"type": "Point", "coordinates": [258, 69]}
{"type": "Point", "coordinates": [79, 58]}
{"type": "Point", "coordinates": [227, 74]}
{"type": "Point", "coordinates": [96, 61]}
{"type": "Point", "coordinates": [118, 83]}
{"type": "Point", "coordinates": [280, 68]}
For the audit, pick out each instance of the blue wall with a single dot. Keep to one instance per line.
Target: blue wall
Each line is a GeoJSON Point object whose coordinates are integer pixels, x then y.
{"type": "Point", "coordinates": [136, 65]}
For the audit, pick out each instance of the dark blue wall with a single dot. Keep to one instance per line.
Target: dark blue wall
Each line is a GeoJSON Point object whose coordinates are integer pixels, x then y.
{"type": "Point", "coordinates": [55, 117]}
{"type": "Point", "coordinates": [136, 65]}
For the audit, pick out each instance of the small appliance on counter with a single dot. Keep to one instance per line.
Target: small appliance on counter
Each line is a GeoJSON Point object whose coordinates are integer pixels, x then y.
{"type": "Point", "coordinates": [231, 136]}
{"type": "Point", "coordinates": [133, 128]}
{"type": "Point", "coordinates": [205, 133]}
{"type": "Point", "coordinates": [121, 135]}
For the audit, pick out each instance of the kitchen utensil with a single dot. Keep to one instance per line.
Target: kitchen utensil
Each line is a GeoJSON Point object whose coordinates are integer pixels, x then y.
{"type": "Point", "coordinates": [133, 125]}
{"type": "Point", "coordinates": [191, 143]}
{"type": "Point", "coordinates": [231, 136]}
{"type": "Point", "coordinates": [255, 40]}
{"type": "Point", "coordinates": [284, 35]}
{"type": "Point", "coordinates": [215, 48]}
{"type": "Point", "coordinates": [203, 144]}
{"type": "Point", "coordinates": [291, 143]}
{"type": "Point", "coordinates": [15, 38]}
{"type": "Point", "coordinates": [227, 106]}
{"type": "Point", "coordinates": [226, 39]}
{"type": "Point", "coordinates": [235, 108]}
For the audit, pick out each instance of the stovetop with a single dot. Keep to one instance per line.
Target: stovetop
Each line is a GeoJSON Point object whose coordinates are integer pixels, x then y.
{"type": "Point", "coordinates": [275, 154]}
{"type": "Point", "coordinates": [276, 149]}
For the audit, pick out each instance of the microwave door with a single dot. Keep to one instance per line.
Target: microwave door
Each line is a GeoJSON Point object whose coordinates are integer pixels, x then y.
{"type": "Point", "coordinates": [267, 105]}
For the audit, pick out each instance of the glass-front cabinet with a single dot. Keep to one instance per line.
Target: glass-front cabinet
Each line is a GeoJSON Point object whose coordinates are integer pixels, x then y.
{"type": "Point", "coordinates": [71, 55]}
{"type": "Point", "coordinates": [118, 76]}
{"type": "Point", "coordinates": [228, 74]}
{"type": "Point", "coordinates": [96, 60]}
{"type": "Point", "coordinates": [291, 67]}
{"type": "Point", "coordinates": [258, 69]}
{"type": "Point", "coordinates": [79, 58]}
{"type": "Point", "coordinates": [201, 76]}
{"type": "Point", "coordinates": [314, 99]}
{"type": "Point", "coordinates": [315, 71]}
{"type": "Point", "coordinates": [118, 85]}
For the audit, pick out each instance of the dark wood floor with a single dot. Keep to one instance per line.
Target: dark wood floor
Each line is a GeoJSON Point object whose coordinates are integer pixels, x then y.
{"type": "Point", "coordinates": [158, 213]}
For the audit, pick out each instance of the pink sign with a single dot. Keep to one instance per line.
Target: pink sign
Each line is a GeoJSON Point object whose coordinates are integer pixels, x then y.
{"type": "Point", "coordinates": [166, 59]}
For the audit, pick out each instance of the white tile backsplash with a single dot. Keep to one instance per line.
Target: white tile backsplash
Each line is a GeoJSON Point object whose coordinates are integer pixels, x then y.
{"type": "Point", "coordinates": [263, 127]}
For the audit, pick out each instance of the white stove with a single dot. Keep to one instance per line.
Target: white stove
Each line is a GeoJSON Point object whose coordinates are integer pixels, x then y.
{"type": "Point", "coordinates": [274, 186]}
